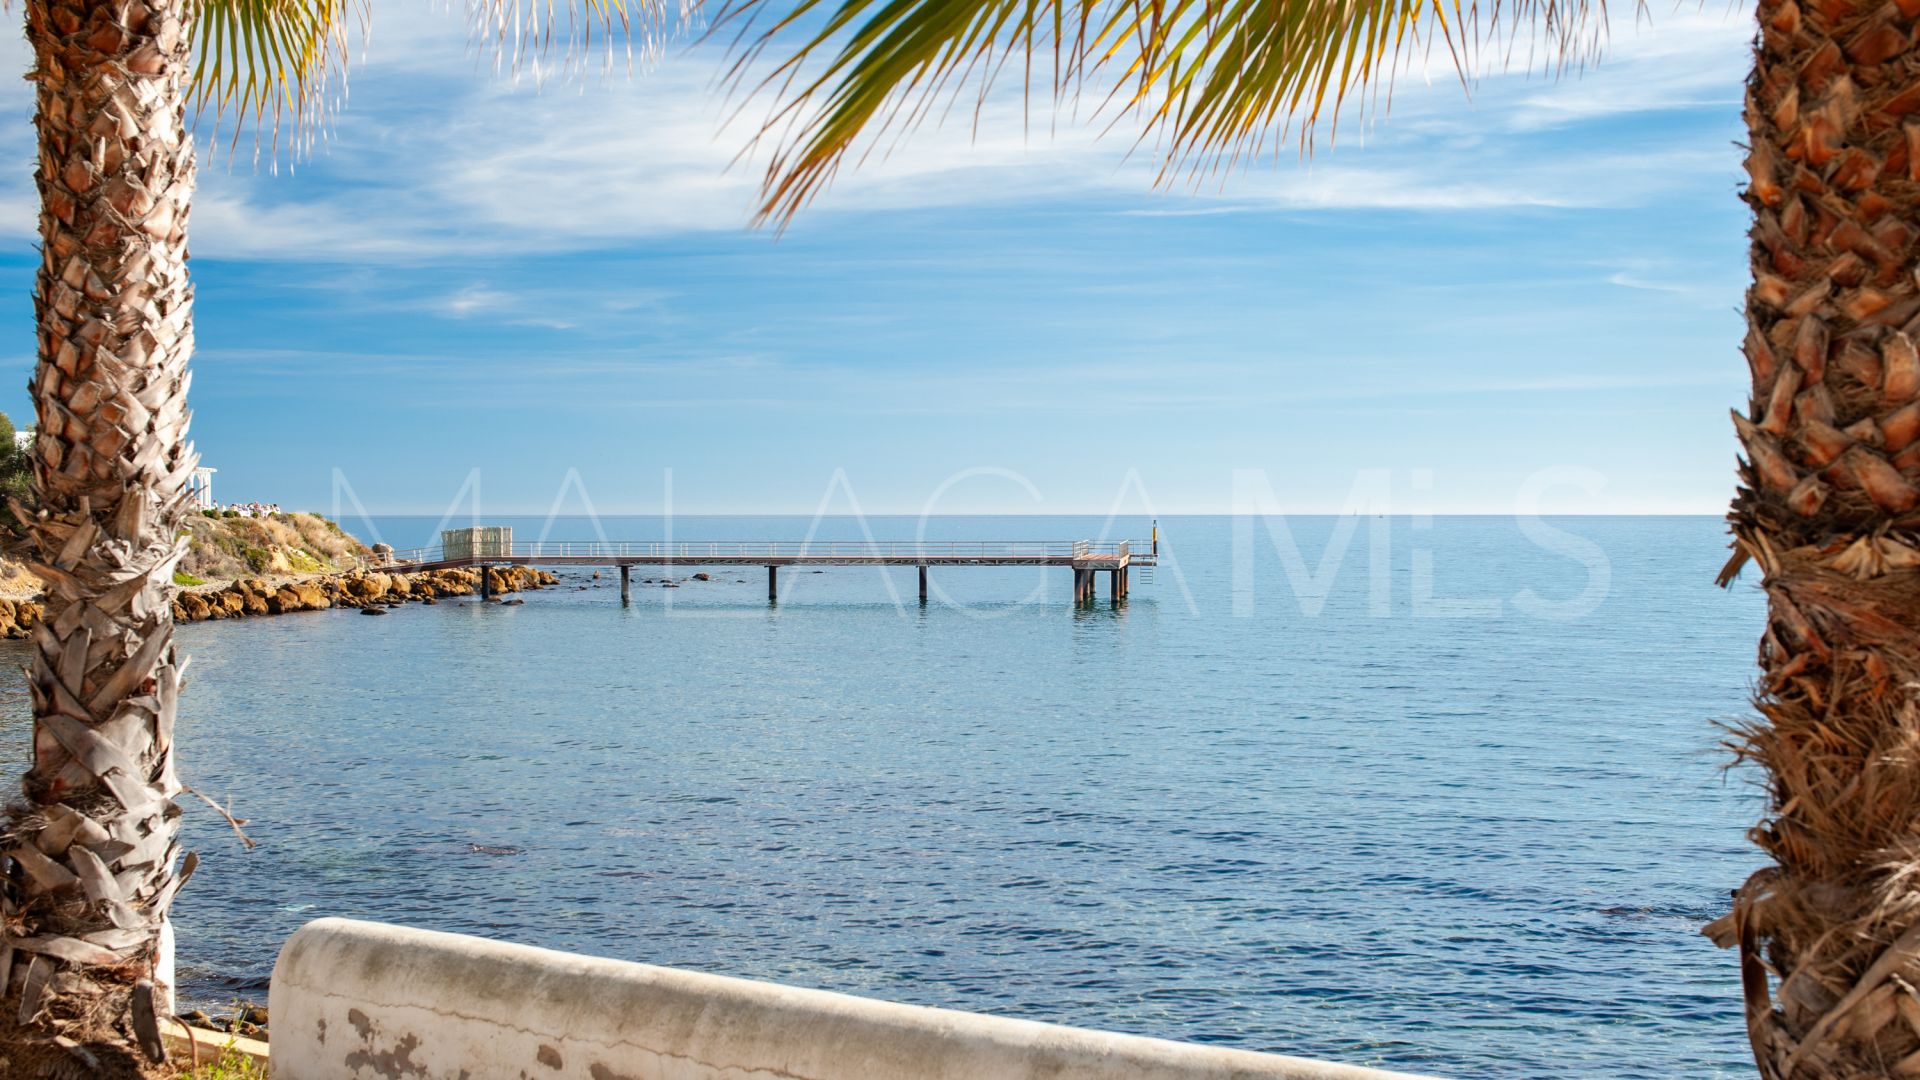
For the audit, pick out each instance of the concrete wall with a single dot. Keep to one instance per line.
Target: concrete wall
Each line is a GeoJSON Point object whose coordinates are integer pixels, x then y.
{"type": "Point", "coordinates": [364, 1000]}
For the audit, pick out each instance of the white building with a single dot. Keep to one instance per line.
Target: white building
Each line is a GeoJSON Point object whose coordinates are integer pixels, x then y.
{"type": "Point", "coordinates": [202, 487]}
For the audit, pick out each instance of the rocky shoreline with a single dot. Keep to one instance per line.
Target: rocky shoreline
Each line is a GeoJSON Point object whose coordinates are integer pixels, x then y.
{"type": "Point", "coordinates": [17, 617]}
{"type": "Point", "coordinates": [367, 590]}
{"type": "Point", "coordinates": [248, 1020]}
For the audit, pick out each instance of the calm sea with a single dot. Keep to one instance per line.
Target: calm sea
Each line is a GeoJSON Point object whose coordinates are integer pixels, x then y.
{"type": "Point", "coordinates": [1435, 795]}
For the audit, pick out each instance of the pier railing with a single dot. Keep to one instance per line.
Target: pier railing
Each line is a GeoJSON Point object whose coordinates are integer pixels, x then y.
{"type": "Point", "coordinates": [693, 551]}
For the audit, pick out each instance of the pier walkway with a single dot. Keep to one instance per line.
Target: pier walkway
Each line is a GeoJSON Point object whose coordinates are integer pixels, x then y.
{"type": "Point", "coordinates": [494, 547]}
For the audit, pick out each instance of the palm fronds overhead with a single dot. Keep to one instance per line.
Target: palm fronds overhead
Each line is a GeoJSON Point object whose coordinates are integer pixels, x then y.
{"type": "Point", "coordinates": [272, 60]}
{"type": "Point", "coordinates": [1207, 81]}
{"type": "Point", "coordinates": [279, 61]}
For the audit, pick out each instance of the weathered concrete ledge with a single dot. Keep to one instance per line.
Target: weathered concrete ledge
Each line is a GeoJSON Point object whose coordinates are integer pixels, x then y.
{"type": "Point", "coordinates": [365, 1000]}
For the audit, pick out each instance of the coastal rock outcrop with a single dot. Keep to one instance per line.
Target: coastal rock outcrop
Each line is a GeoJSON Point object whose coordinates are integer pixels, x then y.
{"type": "Point", "coordinates": [256, 596]}
{"type": "Point", "coordinates": [363, 589]}
{"type": "Point", "coordinates": [18, 616]}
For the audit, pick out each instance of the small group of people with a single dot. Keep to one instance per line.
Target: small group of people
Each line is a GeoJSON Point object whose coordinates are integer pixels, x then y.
{"type": "Point", "coordinates": [252, 509]}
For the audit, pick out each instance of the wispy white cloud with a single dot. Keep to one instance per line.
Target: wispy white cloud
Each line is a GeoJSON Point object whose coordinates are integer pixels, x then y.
{"type": "Point", "coordinates": [1594, 381]}
{"type": "Point", "coordinates": [479, 301]}
{"type": "Point", "coordinates": [1188, 211]}
{"type": "Point", "coordinates": [1714, 285]}
{"type": "Point", "coordinates": [472, 300]}
{"type": "Point", "coordinates": [1630, 281]}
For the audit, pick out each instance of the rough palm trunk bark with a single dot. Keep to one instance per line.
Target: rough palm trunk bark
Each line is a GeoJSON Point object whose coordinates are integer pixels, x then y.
{"type": "Point", "coordinates": [90, 855]}
{"type": "Point", "coordinates": [1829, 510]}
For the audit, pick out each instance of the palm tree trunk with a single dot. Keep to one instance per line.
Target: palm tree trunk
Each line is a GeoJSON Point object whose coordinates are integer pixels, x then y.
{"type": "Point", "coordinates": [91, 853]}
{"type": "Point", "coordinates": [1829, 510]}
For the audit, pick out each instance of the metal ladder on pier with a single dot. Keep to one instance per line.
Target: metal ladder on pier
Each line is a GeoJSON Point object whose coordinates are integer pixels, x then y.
{"type": "Point", "coordinates": [1146, 569]}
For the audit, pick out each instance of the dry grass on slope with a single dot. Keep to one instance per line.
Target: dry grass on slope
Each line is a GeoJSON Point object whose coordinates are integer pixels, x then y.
{"type": "Point", "coordinates": [224, 548]}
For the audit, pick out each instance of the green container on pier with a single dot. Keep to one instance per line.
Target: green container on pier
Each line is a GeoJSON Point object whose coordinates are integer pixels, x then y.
{"type": "Point", "coordinates": [478, 542]}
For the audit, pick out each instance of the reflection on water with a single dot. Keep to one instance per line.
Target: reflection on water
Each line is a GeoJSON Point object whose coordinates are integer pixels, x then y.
{"type": "Point", "coordinates": [1478, 846]}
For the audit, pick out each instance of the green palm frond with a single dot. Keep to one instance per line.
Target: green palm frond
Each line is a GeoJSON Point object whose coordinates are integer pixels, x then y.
{"type": "Point", "coordinates": [275, 61]}
{"type": "Point", "coordinates": [1208, 80]}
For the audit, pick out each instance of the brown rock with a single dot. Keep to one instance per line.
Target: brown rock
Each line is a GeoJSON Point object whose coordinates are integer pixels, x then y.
{"type": "Point", "coordinates": [366, 586]}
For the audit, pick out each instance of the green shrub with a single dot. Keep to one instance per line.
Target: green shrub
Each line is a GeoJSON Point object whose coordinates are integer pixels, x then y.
{"type": "Point", "coordinates": [230, 1065]}
{"type": "Point", "coordinates": [181, 577]}
{"type": "Point", "coordinates": [16, 479]}
{"type": "Point", "coordinates": [303, 563]}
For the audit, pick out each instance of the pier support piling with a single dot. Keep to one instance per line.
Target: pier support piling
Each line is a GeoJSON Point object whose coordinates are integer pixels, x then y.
{"type": "Point", "coordinates": [626, 584]}
{"type": "Point", "coordinates": [773, 584]}
{"type": "Point", "coordinates": [923, 585]}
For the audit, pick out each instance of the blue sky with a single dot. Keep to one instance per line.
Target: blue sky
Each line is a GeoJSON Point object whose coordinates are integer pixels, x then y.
{"type": "Point", "coordinates": [473, 272]}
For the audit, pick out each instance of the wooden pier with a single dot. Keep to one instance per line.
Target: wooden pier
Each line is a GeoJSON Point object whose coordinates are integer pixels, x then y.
{"type": "Point", "coordinates": [1087, 559]}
